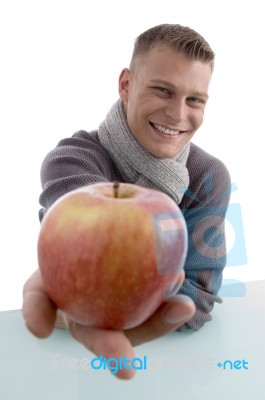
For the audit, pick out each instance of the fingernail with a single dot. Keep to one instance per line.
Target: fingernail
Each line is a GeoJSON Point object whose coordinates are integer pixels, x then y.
{"type": "Point", "coordinates": [174, 316]}
{"type": "Point", "coordinates": [172, 291]}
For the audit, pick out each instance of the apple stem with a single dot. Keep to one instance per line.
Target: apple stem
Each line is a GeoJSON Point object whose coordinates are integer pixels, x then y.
{"type": "Point", "coordinates": [116, 188]}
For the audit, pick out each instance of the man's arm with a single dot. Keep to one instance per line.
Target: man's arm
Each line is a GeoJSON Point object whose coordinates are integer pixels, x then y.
{"type": "Point", "coordinates": [75, 162]}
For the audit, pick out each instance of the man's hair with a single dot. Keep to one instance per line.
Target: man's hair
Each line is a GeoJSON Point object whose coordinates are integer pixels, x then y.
{"type": "Point", "coordinates": [180, 38]}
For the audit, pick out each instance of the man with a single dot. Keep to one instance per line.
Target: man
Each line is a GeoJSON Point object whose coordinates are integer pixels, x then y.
{"type": "Point", "coordinates": [145, 140]}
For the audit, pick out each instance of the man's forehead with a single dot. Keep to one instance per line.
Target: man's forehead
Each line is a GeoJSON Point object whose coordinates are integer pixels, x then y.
{"type": "Point", "coordinates": [164, 64]}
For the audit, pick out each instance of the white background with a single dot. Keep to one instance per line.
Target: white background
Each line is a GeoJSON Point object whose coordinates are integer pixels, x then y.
{"type": "Point", "coordinates": [60, 61]}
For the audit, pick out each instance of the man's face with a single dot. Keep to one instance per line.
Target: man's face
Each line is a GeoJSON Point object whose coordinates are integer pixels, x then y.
{"type": "Point", "coordinates": [164, 98]}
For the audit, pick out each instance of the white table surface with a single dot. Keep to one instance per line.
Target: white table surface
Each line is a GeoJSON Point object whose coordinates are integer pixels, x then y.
{"type": "Point", "coordinates": [181, 366]}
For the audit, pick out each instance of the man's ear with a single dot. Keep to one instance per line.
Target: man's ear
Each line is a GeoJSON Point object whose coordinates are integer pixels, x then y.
{"type": "Point", "coordinates": [124, 83]}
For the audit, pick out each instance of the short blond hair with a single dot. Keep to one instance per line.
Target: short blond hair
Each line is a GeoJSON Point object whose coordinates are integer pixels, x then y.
{"type": "Point", "coordinates": [180, 38]}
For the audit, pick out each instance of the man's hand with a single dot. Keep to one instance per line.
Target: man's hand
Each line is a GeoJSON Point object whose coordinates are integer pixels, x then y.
{"type": "Point", "coordinates": [41, 316]}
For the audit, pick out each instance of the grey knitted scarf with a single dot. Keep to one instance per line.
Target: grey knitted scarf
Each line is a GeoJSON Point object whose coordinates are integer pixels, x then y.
{"type": "Point", "coordinates": [136, 164]}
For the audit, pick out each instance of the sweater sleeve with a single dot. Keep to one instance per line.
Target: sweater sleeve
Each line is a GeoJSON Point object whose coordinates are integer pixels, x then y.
{"type": "Point", "coordinates": [204, 208]}
{"type": "Point", "coordinates": [76, 161]}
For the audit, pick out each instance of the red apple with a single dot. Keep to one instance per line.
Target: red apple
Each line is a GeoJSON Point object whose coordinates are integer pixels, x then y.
{"type": "Point", "coordinates": [110, 253]}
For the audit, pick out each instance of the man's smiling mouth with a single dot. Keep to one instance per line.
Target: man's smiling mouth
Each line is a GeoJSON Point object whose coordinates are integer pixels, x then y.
{"type": "Point", "coordinates": [163, 129]}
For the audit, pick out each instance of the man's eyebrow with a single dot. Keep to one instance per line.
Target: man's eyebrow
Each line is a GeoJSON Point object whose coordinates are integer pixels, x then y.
{"type": "Point", "coordinates": [169, 85]}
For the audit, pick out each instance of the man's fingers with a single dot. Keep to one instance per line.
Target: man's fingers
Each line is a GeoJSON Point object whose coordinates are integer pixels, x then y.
{"type": "Point", "coordinates": [169, 317]}
{"type": "Point", "coordinates": [40, 315]}
{"type": "Point", "coordinates": [106, 343]}
{"type": "Point", "coordinates": [34, 283]}
{"type": "Point", "coordinates": [38, 310]}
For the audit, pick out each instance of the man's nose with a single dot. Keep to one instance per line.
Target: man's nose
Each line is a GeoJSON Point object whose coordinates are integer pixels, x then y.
{"type": "Point", "coordinates": [177, 110]}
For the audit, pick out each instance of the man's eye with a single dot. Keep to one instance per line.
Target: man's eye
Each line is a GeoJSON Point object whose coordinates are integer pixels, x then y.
{"type": "Point", "coordinates": [162, 90]}
{"type": "Point", "coordinates": [196, 100]}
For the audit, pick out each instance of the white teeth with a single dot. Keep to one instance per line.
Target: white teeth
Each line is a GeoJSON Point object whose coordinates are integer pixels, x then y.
{"type": "Point", "coordinates": [165, 130]}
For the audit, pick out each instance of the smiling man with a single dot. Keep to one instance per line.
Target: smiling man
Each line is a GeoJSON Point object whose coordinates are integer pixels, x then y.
{"type": "Point", "coordinates": [145, 139]}
{"type": "Point", "coordinates": [164, 95]}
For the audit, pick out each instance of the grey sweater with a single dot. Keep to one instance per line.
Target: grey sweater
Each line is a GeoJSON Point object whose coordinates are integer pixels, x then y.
{"type": "Point", "coordinates": [81, 160]}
